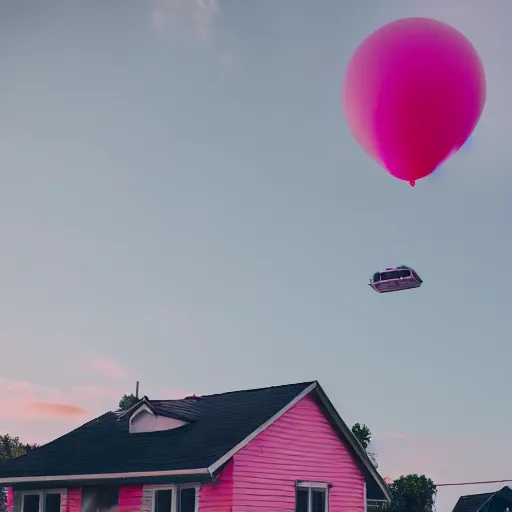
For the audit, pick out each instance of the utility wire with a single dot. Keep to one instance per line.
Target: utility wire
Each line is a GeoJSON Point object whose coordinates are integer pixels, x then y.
{"type": "Point", "coordinates": [474, 483]}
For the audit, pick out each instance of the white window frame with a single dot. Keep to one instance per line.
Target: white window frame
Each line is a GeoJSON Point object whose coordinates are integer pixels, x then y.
{"type": "Point", "coordinates": [42, 494]}
{"type": "Point", "coordinates": [175, 495]}
{"type": "Point", "coordinates": [318, 486]}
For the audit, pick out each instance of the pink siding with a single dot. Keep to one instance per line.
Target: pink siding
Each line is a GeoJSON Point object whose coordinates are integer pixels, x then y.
{"type": "Point", "coordinates": [130, 499]}
{"type": "Point", "coordinates": [218, 497]}
{"type": "Point", "coordinates": [10, 499]}
{"type": "Point", "coordinates": [301, 445]}
{"type": "Point", "coordinates": [74, 500]}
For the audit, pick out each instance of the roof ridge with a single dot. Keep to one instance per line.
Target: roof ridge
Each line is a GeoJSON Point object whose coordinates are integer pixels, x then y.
{"type": "Point", "coordinates": [305, 384]}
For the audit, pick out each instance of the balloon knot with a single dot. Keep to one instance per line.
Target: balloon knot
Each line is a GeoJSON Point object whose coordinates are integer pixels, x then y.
{"type": "Point", "coordinates": [412, 183]}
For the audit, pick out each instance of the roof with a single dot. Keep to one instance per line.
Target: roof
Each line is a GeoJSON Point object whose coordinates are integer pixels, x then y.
{"type": "Point", "coordinates": [475, 502]}
{"type": "Point", "coordinates": [218, 426]}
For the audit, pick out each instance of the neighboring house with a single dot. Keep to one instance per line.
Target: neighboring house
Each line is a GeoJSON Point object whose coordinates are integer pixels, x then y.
{"type": "Point", "coordinates": [499, 501]}
{"type": "Point", "coordinates": [282, 448]}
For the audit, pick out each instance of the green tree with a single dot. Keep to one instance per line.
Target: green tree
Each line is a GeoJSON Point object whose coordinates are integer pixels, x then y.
{"type": "Point", "coordinates": [11, 447]}
{"type": "Point", "coordinates": [364, 435]}
{"type": "Point", "coordinates": [127, 401]}
{"type": "Point", "coordinates": [412, 493]}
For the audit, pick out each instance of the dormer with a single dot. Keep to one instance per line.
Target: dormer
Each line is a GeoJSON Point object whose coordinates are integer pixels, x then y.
{"type": "Point", "coordinates": [144, 419]}
{"type": "Point", "coordinates": [157, 415]}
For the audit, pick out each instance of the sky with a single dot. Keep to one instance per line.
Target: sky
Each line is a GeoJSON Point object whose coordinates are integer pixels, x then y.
{"type": "Point", "coordinates": [182, 204]}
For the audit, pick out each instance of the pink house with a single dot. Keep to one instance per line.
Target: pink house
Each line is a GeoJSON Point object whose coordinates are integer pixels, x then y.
{"type": "Point", "coordinates": [282, 448]}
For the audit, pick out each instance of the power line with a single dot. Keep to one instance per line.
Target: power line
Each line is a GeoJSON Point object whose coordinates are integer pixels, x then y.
{"type": "Point", "coordinates": [474, 483]}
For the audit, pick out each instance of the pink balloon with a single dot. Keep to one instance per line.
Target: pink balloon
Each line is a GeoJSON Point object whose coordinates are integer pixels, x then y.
{"type": "Point", "coordinates": [413, 93]}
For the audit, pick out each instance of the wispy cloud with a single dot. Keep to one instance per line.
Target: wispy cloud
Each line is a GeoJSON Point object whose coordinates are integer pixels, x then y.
{"type": "Point", "coordinates": [106, 367]}
{"type": "Point", "coordinates": [53, 409]}
{"type": "Point", "coordinates": [192, 15]}
{"type": "Point", "coordinates": [38, 413]}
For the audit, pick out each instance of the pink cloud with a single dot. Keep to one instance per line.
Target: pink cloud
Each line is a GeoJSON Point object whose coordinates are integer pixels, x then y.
{"type": "Point", "coordinates": [38, 413]}
{"type": "Point", "coordinates": [106, 367]}
{"type": "Point", "coordinates": [54, 409]}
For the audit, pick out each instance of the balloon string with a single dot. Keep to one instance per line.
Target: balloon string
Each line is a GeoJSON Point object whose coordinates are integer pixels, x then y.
{"type": "Point", "coordinates": [402, 215]}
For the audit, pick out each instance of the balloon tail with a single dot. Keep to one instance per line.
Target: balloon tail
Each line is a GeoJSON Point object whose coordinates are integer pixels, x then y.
{"type": "Point", "coordinates": [412, 183]}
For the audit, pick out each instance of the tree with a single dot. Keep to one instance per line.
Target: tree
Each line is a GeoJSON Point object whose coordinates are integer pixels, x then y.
{"type": "Point", "coordinates": [364, 436]}
{"type": "Point", "coordinates": [412, 493]}
{"type": "Point", "coordinates": [11, 447]}
{"type": "Point", "coordinates": [127, 401]}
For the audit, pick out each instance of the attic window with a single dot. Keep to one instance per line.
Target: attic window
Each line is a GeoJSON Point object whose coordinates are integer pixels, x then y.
{"type": "Point", "coordinates": [144, 419]}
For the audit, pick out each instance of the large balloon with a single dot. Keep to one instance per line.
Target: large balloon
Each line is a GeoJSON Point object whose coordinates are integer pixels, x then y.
{"type": "Point", "coordinates": [413, 93]}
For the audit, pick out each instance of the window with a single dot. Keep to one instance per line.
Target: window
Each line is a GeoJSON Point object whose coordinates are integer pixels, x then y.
{"type": "Point", "coordinates": [52, 502]}
{"type": "Point", "coordinates": [387, 276]}
{"type": "Point", "coordinates": [163, 500]}
{"type": "Point", "coordinates": [187, 501]}
{"type": "Point", "coordinates": [312, 497]}
{"type": "Point", "coordinates": [175, 499]}
{"type": "Point", "coordinates": [31, 502]}
{"type": "Point", "coordinates": [41, 501]}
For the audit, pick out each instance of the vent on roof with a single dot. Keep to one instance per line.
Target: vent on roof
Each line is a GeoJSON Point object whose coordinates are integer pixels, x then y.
{"type": "Point", "coordinates": [146, 420]}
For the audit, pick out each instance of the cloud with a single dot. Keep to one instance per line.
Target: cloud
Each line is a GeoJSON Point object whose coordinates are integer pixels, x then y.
{"type": "Point", "coordinates": [106, 367]}
{"type": "Point", "coordinates": [38, 413]}
{"type": "Point", "coordinates": [54, 409]}
{"type": "Point", "coordinates": [192, 15]}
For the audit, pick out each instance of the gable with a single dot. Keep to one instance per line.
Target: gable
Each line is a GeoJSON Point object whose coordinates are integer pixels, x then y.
{"type": "Point", "coordinates": [300, 446]}
{"type": "Point", "coordinates": [376, 487]}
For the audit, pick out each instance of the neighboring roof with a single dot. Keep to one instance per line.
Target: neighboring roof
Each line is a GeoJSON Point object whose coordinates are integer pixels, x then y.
{"type": "Point", "coordinates": [219, 425]}
{"type": "Point", "coordinates": [475, 502]}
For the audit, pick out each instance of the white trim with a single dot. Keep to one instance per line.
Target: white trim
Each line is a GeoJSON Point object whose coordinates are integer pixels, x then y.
{"type": "Point", "coordinates": [313, 485]}
{"type": "Point", "coordinates": [216, 465]}
{"type": "Point", "coordinates": [101, 476]}
{"type": "Point", "coordinates": [41, 493]}
{"type": "Point", "coordinates": [134, 407]}
{"type": "Point", "coordinates": [346, 433]}
{"type": "Point", "coordinates": [198, 488]}
{"type": "Point", "coordinates": [365, 497]}
{"type": "Point", "coordinates": [176, 488]}
{"type": "Point", "coordinates": [139, 410]}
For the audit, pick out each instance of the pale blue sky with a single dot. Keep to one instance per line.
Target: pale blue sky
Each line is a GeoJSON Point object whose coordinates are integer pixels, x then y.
{"type": "Point", "coordinates": [181, 195]}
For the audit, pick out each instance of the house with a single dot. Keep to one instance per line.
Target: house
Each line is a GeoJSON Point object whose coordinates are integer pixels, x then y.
{"type": "Point", "coordinates": [499, 501]}
{"type": "Point", "coordinates": [282, 448]}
